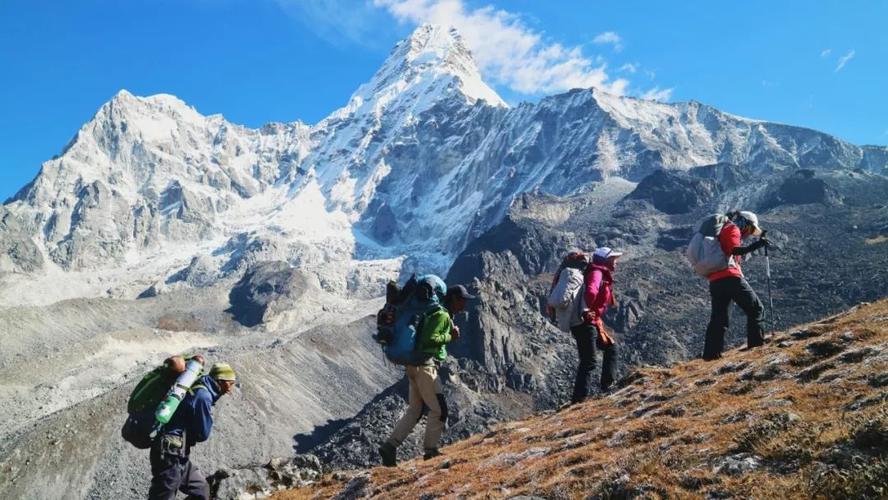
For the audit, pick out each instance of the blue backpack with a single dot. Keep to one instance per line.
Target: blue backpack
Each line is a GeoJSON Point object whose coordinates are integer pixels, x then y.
{"type": "Point", "coordinates": [406, 313]}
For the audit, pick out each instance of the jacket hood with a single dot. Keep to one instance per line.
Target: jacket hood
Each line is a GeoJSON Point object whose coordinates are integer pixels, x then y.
{"type": "Point", "coordinates": [212, 387]}
{"type": "Point", "coordinates": [604, 267]}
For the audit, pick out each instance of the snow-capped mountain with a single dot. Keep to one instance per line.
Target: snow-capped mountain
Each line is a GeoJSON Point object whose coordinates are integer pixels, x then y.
{"type": "Point", "coordinates": [424, 157]}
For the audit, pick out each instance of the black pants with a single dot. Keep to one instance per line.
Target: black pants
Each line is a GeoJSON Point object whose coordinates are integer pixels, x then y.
{"type": "Point", "coordinates": [587, 338]}
{"type": "Point", "coordinates": [723, 292]}
{"type": "Point", "coordinates": [171, 470]}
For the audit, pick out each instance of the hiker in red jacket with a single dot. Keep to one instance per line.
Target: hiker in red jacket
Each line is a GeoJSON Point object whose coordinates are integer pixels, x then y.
{"type": "Point", "coordinates": [729, 285]}
{"type": "Point", "coordinates": [597, 296]}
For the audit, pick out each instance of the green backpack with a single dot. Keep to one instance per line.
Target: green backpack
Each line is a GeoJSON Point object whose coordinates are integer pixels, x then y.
{"type": "Point", "coordinates": [143, 402]}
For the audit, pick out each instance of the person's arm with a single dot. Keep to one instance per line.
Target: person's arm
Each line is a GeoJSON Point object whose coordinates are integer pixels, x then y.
{"type": "Point", "coordinates": [202, 417]}
{"type": "Point", "coordinates": [593, 286]}
{"type": "Point", "coordinates": [762, 242]}
{"type": "Point", "coordinates": [436, 328]}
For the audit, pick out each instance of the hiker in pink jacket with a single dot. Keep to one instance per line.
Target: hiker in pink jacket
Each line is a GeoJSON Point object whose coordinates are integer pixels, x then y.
{"type": "Point", "coordinates": [597, 295]}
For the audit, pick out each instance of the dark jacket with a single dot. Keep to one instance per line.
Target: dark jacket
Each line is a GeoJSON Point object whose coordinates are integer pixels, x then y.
{"type": "Point", "coordinates": [194, 416]}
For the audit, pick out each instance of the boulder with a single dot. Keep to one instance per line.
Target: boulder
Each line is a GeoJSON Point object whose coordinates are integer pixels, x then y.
{"type": "Point", "coordinates": [266, 288]}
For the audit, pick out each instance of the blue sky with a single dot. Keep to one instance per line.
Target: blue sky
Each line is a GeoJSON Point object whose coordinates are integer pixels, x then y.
{"type": "Point", "coordinates": [822, 65]}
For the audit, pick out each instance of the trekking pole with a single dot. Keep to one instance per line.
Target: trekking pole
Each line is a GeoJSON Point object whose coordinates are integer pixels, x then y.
{"type": "Point", "coordinates": [771, 318]}
{"type": "Point", "coordinates": [770, 298]}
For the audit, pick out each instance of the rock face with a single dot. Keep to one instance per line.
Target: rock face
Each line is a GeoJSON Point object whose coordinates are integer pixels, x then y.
{"type": "Point", "coordinates": [674, 192]}
{"type": "Point", "coordinates": [18, 252]}
{"type": "Point", "coordinates": [259, 481]}
{"type": "Point", "coordinates": [803, 188]}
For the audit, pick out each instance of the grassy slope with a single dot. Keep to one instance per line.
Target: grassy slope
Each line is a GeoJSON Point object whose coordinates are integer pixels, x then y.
{"type": "Point", "coordinates": [807, 415]}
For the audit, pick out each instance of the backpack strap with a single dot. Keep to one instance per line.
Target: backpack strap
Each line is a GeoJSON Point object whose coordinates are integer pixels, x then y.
{"type": "Point", "coordinates": [425, 316]}
{"type": "Point", "coordinates": [195, 387]}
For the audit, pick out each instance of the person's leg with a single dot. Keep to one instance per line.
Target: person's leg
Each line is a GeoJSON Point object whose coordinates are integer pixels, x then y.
{"type": "Point", "coordinates": [608, 364]}
{"type": "Point", "coordinates": [719, 292]}
{"type": "Point", "coordinates": [166, 472]}
{"type": "Point", "coordinates": [430, 389]}
{"type": "Point", "coordinates": [745, 297]}
{"type": "Point", "coordinates": [414, 411]}
{"type": "Point", "coordinates": [583, 334]}
{"type": "Point", "coordinates": [193, 483]}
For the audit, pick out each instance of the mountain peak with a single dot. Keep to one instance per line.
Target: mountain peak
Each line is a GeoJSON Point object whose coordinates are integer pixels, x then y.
{"type": "Point", "coordinates": [434, 44]}
{"type": "Point", "coordinates": [434, 59]}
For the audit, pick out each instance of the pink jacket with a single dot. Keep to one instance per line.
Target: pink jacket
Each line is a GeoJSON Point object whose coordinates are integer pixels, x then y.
{"type": "Point", "coordinates": [599, 283]}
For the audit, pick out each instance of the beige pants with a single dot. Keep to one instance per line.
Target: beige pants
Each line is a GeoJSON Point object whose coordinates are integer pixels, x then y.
{"type": "Point", "coordinates": [425, 388]}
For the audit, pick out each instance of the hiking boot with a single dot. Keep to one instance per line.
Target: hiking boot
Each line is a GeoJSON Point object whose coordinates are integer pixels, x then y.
{"type": "Point", "coordinates": [388, 453]}
{"type": "Point", "coordinates": [430, 454]}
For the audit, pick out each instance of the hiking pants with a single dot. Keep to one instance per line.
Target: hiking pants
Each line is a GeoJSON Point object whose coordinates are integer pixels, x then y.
{"type": "Point", "coordinates": [587, 339]}
{"type": "Point", "coordinates": [425, 390]}
{"type": "Point", "coordinates": [723, 292]}
{"type": "Point", "coordinates": [172, 470]}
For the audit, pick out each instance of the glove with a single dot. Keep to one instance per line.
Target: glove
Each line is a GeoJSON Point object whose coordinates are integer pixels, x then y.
{"type": "Point", "coordinates": [454, 333]}
{"type": "Point", "coordinates": [762, 242]}
{"type": "Point", "coordinates": [589, 317]}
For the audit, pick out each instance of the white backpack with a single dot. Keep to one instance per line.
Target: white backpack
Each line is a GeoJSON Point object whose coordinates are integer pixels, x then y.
{"type": "Point", "coordinates": [567, 298]}
{"type": "Point", "coordinates": [704, 252]}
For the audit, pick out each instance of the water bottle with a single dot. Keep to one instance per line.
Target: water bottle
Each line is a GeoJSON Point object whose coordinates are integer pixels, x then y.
{"type": "Point", "coordinates": [193, 369]}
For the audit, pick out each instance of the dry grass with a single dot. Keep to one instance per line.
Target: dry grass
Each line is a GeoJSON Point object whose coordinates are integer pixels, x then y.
{"type": "Point", "coordinates": [809, 410]}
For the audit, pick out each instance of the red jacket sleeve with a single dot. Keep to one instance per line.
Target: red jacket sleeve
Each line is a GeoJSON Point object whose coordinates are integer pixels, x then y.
{"type": "Point", "coordinates": [729, 238]}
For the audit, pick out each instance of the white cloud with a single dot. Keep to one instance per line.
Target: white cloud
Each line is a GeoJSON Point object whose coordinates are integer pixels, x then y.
{"type": "Point", "coordinates": [825, 52]}
{"type": "Point", "coordinates": [657, 94]}
{"type": "Point", "coordinates": [629, 68]}
{"type": "Point", "coordinates": [609, 38]}
{"type": "Point", "coordinates": [507, 51]}
{"type": "Point", "coordinates": [340, 22]}
{"type": "Point", "coordinates": [844, 60]}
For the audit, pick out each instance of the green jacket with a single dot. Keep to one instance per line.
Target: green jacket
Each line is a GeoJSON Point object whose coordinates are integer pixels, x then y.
{"type": "Point", "coordinates": [434, 334]}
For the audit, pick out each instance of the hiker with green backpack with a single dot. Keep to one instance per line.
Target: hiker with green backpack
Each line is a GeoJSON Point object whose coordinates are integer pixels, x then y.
{"type": "Point", "coordinates": [715, 252]}
{"type": "Point", "coordinates": [170, 410]}
{"type": "Point", "coordinates": [415, 331]}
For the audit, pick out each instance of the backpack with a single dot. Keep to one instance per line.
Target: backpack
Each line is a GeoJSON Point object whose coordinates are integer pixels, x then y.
{"type": "Point", "coordinates": [401, 319]}
{"type": "Point", "coordinates": [704, 251]}
{"type": "Point", "coordinates": [565, 299]}
{"type": "Point", "coordinates": [160, 389]}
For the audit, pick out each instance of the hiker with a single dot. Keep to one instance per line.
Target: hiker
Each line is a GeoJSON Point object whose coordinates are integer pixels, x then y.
{"type": "Point", "coordinates": [435, 331]}
{"type": "Point", "coordinates": [729, 284]}
{"type": "Point", "coordinates": [192, 422]}
{"type": "Point", "coordinates": [590, 333]}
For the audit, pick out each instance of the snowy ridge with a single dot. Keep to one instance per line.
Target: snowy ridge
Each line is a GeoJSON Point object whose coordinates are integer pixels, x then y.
{"type": "Point", "coordinates": [422, 159]}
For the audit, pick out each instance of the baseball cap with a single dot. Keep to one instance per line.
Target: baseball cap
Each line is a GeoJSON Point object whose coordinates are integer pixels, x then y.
{"type": "Point", "coordinates": [605, 253]}
{"type": "Point", "coordinates": [222, 371]}
{"type": "Point", "coordinates": [460, 291]}
{"type": "Point", "coordinates": [753, 220]}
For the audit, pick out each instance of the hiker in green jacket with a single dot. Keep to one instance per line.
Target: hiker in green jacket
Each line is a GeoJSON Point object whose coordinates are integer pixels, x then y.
{"type": "Point", "coordinates": [436, 332]}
